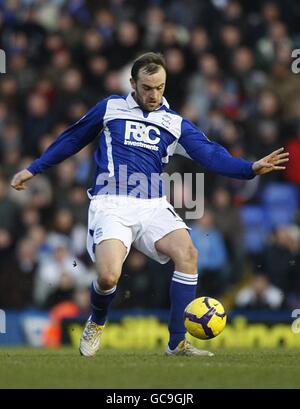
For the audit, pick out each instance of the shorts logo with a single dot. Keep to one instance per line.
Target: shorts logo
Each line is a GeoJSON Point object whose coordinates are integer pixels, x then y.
{"type": "Point", "coordinates": [139, 134]}
{"type": "Point", "coordinates": [98, 233]}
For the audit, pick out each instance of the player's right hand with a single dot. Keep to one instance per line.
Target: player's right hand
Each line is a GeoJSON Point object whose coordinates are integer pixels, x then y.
{"type": "Point", "coordinates": [19, 179]}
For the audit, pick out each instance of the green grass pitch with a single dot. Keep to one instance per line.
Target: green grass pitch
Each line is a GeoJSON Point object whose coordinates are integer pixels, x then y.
{"type": "Point", "coordinates": [64, 368]}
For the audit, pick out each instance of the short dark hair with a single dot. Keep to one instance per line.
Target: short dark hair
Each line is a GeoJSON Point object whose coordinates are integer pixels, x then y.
{"type": "Point", "coordinates": [149, 62]}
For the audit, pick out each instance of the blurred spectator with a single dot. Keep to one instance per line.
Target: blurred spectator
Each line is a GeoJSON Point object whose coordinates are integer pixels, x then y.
{"type": "Point", "coordinates": [200, 42]}
{"type": "Point", "coordinates": [213, 257]}
{"type": "Point", "coordinates": [176, 84]}
{"type": "Point", "coordinates": [8, 210]}
{"type": "Point", "coordinates": [96, 69]}
{"type": "Point", "coordinates": [23, 72]}
{"type": "Point", "coordinates": [37, 122]}
{"type": "Point", "coordinates": [172, 36]}
{"type": "Point", "coordinates": [77, 203]}
{"type": "Point", "coordinates": [105, 24]}
{"type": "Point", "coordinates": [286, 85]}
{"type": "Point", "coordinates": [112, 83]}
{"type": "Point", "coordinates": [268, 46]}
{"type": "Point", "coordinates": [71, 32]}
{"type": "Point", "coordinates": [282, 258]}
{"type": "Point", "coordinates": [227, 216]}
{"type": "Point", "coordinates": [17, 275]}
{"type": "Point", "coordinates": [127, 40]}
{"type": "Point", "coordinates": [84, 166]}
{"type": "Point", "coordinates": [263, 128]}
{"type": "Point", "coordinates": [154, 21]}
{"type": "Point", "coordinates": [6, 250]}
{"type": "Point", "coordinates": [38, 234]}
{"type": "Point", "coordinates": [251, 80]}
{"type": "Point", "coordinates": [184, 12]}
{"type": "Point", "coordinates": [29, 217]}
{"type": "Point", "coordinates": [72, 90]}
{"type": "Point", "coordinates": [77, 307]}
{"type": "Point", "coordinates": [293, 171]}
{"type": "Point", "coordinates": [61, 60]}
{"type": "Point", "coordinates": [260, 294]}
{"type": "Point", "coordinates": [230, 40]}
{"type": "Point", "coordinates": [233, 13]}
{"type": "Point", "coordinates": [10, 137]}
{"type": "Point", "coordinates": [60, 262]}
{"type": "Point", "coordinates": [64, 224]}
{"type": "Point", "coordinates": [9, 93]}
{"type": "Point", "coordinates": [63, 291]}
{"type": "Point", "coordinates": [200, 94]}
{"type": "Point", "coordinates": [65, 178]}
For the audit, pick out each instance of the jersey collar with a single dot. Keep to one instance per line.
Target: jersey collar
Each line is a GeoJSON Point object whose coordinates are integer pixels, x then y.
{"type": "Point", "coordinates": [133, 104]}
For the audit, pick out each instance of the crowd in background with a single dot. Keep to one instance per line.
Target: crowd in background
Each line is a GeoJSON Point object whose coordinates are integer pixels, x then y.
{"type": "Point", "coordinates": [229, 71]}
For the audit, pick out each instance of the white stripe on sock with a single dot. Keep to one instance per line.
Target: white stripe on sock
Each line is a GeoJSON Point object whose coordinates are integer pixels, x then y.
{"type": "Point", "coordinates": [185, 275]}
{"type": "Point", "coordinates": [103, 292]}
{"type": "Point", "coordinates": [183, 278]}
{"type": "Point", "coordinates": [185, 282]}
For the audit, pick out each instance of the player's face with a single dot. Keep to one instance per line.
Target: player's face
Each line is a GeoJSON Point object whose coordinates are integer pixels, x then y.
{"type": "Point", "coordinates": [149, 89]}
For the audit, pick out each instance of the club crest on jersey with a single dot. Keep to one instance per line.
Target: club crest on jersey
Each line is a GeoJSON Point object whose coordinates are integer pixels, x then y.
{"type": "Point", "coordinates": [166, 121]}
{"type": "Point", "coordinates": [142, 135]}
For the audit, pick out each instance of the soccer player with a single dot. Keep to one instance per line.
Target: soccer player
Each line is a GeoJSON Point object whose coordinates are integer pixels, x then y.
{"type": "Point", "coordinates": [137, 135]}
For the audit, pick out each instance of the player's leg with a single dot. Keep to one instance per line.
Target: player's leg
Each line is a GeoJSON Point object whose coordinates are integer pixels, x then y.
{"type": "Point", "coordinates": [165, 235]}
{"type": "Point", "coordinates": [109, 257]}
{"type": "Point", "coordinates": [179, 247]}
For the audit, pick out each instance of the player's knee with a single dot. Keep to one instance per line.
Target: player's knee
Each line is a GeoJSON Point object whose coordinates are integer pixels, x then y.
{"type": "Point", "coordinates": [108, 274]}
{"type": "Point", "coordinates": [192, 255]}
{"type": "Point", "coordinates": [106, 282]}
{"type": "Point", "coordinates": [187, 256]}
{"type": "Point", "coordinates": [108, 277]}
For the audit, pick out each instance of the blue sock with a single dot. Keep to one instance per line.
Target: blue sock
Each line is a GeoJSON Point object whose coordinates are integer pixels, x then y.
{"type": "Point", "coordinates": [100, 301]}
{"type": "Point", "coordinates": [182, 292]}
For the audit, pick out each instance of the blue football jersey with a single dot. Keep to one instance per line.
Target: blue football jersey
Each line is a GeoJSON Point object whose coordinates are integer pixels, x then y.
{"type": "Point", "coordinates": [135, 145]}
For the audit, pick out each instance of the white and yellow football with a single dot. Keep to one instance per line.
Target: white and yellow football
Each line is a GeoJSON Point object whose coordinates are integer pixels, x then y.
{"type": "Point", "coordinates": [205, 318]}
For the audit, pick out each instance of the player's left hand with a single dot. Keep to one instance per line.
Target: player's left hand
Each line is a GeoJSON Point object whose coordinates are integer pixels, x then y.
{"type": "Point", "coordinates": [19, 179]}
{"type": "Point", "coordinates": [274, 161]}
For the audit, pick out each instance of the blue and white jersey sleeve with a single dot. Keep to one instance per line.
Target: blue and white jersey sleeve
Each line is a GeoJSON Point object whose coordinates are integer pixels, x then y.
{"type": "Point", "coordinates": [212, 156]}
{"type": "Point", "coordinates": [72, 140]}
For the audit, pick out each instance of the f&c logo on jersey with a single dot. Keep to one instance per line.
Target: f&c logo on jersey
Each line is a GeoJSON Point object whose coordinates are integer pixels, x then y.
{"type": "Point", "coordinates": [139, 134]}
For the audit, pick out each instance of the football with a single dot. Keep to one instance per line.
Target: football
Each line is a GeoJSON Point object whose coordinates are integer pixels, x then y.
{"type": "Point", "coordinates": [204, 318]}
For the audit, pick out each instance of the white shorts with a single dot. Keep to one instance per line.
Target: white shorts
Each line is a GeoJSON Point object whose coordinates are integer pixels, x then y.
{"type": "Point", "coordinates": [134, 221]}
